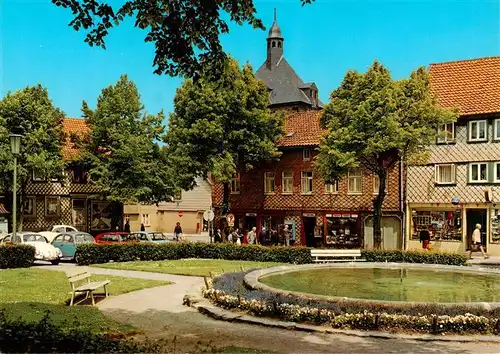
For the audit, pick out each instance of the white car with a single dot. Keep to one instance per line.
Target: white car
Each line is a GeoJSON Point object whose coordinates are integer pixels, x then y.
{"type": "Point", "coordinates": [43, 251]}
{"type": "Point", "coordinates": [56, 230]}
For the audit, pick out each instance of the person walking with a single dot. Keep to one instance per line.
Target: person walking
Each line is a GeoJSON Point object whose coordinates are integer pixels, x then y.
{"type": "Point", "coordinates": [143, 228]}
{"type": "Point", "coordinates": [425, 238]}
{"type": "Point", "coordinates": [252, 236]}
{"type": "Point", "coordinates": [262, 237]}
{"type": "Point", "coordinates": [178, 231]}
{"type": "Point", "coordinates": [218, 236]}
{"type": "Point", "coordinates": [286, 235]}
{"type": "Point", "coordinates": [476, 241]}
{"type": "Point", "coordinates": [126, 228]}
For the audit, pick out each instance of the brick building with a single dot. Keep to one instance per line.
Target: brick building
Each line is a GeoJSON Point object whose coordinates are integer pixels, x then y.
{"type": "Point", "coordinates": [288, 192]}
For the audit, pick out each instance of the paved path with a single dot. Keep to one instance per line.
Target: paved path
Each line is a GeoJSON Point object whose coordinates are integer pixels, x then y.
{"type": "Point", "coordinates": [160, 314]}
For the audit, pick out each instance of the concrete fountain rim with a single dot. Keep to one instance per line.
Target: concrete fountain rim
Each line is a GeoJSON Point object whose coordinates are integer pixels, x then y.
{"type": "Point", "coordinates": [251, 280]}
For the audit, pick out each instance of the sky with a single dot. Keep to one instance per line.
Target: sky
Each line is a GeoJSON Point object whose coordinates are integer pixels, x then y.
{"type": "Point", "coordinates": [322, 41]}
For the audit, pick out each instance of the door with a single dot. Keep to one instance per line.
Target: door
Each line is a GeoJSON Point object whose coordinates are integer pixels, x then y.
{"type": "Point", "coordinates": [309, 226]}
{"type": "Point", "coordinates": [250, 222]}
{"type": "Point", "coordinates": [476, 216]}
{"type": "Point", "coordinates": [79, 214]}
{"type": "Point", "coordinates": [391, 233]}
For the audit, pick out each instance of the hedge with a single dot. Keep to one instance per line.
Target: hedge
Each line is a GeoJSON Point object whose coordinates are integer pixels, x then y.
{"type": "Point", "coordinates": [16, 256]}
{"type": "Point", "coordinates": [94, 253]}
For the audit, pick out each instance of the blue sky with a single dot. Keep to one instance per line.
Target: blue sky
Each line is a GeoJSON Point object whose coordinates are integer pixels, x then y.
{"type": "Point", "coordinates": [322, 41]}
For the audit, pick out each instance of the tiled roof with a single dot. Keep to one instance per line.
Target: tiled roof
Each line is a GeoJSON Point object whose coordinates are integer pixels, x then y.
{"type": "Point", "coordinates": [302, 129]}
{"type": "Point", "coordinates": [73, 126]}
{"type": "Point", "coordinates": [471, 85]}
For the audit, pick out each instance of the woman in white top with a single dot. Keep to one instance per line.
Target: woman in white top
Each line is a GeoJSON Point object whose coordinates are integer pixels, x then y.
{"type": "Point", "coordinates": [476, 241]}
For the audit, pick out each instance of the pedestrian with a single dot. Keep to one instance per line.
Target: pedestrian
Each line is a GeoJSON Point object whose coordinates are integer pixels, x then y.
{"type": "Point", "coordinates": [252, 236]}
{"type": "Point", "coordinates": [262, 237]}
{"type": "Point", "coordinates": [476, 241]}
{"type": "Point", "coordinates": [218, 236]}
{"type": "Point", "coordinates": [235, 236]}
{"type": "Point", "coordinates": [425, 238]}
{"type": "Point", "coordinates": [286, 234]}
{"type": "Point", "coordinates": [143, 228]}
{"type": "Point", "coordinates": [126, 228]}
{"type": "Point", "coordinates": [274, 237]}
{"type": "Point", "coordinates": [245, 238]}
{"type": "Point", "coordinates": [178, 231]}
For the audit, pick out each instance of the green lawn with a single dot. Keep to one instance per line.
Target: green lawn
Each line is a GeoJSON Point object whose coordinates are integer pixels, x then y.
{"type": "Point", "coordinates": [195, 267]}
{"type": "Point", "coordinates": [29, 293]}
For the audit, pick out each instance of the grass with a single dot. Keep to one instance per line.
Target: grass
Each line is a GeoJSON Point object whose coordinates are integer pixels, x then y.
{"type": "Point", "coordinates": [29, 293]}
{"type": "Point", "coordinates": [193, 267]}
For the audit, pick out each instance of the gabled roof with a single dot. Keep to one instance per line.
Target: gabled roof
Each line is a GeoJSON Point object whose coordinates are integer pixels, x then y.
{"type": "Point", "coordinates": [73, 126]}
{"type": "Point", "coordinates": [302, 129]}
{"type": "Point", "coordinates": [284, 84]}
{"type": "Point", "coordinates": [471, 85]}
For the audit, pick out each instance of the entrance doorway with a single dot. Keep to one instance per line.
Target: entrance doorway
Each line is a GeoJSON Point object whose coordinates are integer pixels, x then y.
{"type": "Point", "coordinates": [309, 224]}
{"type": "Point", "coordinates": [477, 216]}
{"type": "Point", "coordinates": [250, 221]}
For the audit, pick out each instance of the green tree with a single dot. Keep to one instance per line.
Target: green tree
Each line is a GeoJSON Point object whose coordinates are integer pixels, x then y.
{"type": "Point", "coordinates": [374, 122]}
{"type": "Point", "coordinates": [185, 33]}
{"type": "Point", "coordinates": [121, 151]}
{"type": "Point", "coordinates": [31, 113]}
{"type": "Point", "coordinates": [221, 125]}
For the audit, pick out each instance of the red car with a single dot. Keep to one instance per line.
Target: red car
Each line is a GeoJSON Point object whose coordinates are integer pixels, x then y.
{"type": "Point", "coordinates": [111, 238]}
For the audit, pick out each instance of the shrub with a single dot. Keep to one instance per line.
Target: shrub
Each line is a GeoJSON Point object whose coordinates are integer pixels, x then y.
{"type": "Point", "coordinates": [94, 253]}
{"type": "Point", "coordinates": [414, 257]}
{"type": "Point", "coordinates": [16, 256]}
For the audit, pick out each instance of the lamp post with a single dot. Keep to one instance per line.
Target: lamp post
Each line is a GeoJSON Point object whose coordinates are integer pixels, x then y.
{"type": "Point", "coordinates": [15, 145]}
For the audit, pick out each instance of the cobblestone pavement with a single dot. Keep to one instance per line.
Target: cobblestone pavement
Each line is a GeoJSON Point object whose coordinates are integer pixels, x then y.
{"type": "Point", "coordinates": [159, 313]}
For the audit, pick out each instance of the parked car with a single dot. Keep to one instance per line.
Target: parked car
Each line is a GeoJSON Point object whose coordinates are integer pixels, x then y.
{"type": "Point", "coordinates": [67, 242]}
{"type": "Point", "coordinates": [56, 230]}
{"type": "Point", "coordinates": [150, 236]}
{"type": "Point", "coordinates": [43, 251]}
{"type": "Point", "coordinates": [111, 238]}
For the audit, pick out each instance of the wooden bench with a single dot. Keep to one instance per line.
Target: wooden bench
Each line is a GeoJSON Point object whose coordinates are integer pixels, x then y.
{"type": "Point", "coordinates": [320, 256]}
{"type": "Point", "coordinates": [80, 284]}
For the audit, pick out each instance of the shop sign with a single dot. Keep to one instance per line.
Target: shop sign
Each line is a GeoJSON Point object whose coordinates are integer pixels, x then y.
{"type": "Point", "coordinates": [180, 214]}
{"type": "Point", "coordinates": [230, 219]}
{"type": "Point", "coordinates": [346, 215]}
{"type": "Point", "coordinates": [333, 215]}
{"type": "Point", "coordinates": [354, 215]}
{"type": "Point", "coordinates": [309, 215]}
{"type": "Point", "coordinates": [251, 214]}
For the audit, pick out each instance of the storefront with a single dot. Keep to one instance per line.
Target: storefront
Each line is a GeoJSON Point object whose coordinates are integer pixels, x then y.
{"type": "Point", "coordinates": [342, 230]}
{"type": "Point", "coordinates": [494, 240]}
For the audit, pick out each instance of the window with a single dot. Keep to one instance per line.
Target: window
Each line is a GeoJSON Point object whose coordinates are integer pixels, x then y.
{"type": "Point", "coordinates": [145, 219]}
{"type": "Point", "coordinates": [38, 176]}
{"type": "Point", "coordinates": [332, 188]}
{"type": "Point", "coordinates": [29, 207]}
{"type": "Point", "coordinates": [496, 129]}
{"type": "Point", "coordinates": [287, 182]}
{"type": "Point", "coordinates": [269, 182]}
{"type": "Point", "coordinates": [445, 174]}
{"type": "Point", "coordinates": [376, 183]}
{"type": "Point", "coordinates": [235, 184]}
{"type": "Point", "coordinates": [496, 170]}
{"type": "Point", "coordinates": [178, 195]}
{"type": "Point", "coordinates": [306, 154]}
{"type": "Point", "coordinates": [80, 175]}
{"type": "Point", "coordinates": [355, 181]}
{"type": "Point", "coordinates": [306, 182]}
{"type": "Point", "coordinates": [446, 133]}
{"type": "Point", "coordinates": [478, 130]}
{"type": "Point", "coordinates": [478, 172]}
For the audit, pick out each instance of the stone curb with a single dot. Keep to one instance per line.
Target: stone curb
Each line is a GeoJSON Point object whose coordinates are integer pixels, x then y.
{"type": "Point", "coordinates": [217, 313]}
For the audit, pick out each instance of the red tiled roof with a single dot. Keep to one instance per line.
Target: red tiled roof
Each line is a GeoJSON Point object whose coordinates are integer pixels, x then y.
{"type": "Point", "coordinates": [302, 129]}
{"type": "Point", "coordinates": [73, 126]}
{"type": "Point", "coordinates": [471, 85]}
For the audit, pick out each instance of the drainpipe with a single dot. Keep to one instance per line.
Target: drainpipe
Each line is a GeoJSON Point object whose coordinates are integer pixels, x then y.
{"type": "Point", "coordinates": [402, 202]}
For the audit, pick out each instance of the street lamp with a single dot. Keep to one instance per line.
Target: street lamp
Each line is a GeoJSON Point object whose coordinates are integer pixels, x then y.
{"type": "Point", "coordinates": [15, 146]}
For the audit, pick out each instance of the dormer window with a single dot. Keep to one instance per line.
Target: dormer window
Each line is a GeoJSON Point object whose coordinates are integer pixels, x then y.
{"type": "Point", "coordinates": [306, 154]}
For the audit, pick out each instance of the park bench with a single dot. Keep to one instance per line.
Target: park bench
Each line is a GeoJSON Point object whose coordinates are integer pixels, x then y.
{"type": "Point", "coordinates": [81, 284]}
{"type": "Point", "coordinates": [320, 256]}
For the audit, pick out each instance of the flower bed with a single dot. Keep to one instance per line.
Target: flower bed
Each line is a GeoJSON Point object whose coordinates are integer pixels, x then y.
{"type": "Point", "coordinates": [228, 292]}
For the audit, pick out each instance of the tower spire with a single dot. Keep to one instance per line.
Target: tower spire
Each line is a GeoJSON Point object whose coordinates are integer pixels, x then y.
{"type": "Point", "coordinates": [274, 15]}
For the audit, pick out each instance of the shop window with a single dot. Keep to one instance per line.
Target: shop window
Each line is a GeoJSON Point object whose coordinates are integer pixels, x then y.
{"type": "Point", "coordinates": [29, 207]}
{"type": "Point", "coordinates": [446, 133]}
{"type": "Point", "coordinates": [287, 182]}
{"type": "Point", "coordinates": [306, 154]}
{"type": "Point", "coordinates": [355, 181]}
{"type": "Point", "coordinates": [496, 129]}
{"type": "Point", "coordinates": [478, 130]}
{"type": "Point", "coordinates": [269, 182]}
{"type": "Point", "coordinates": [342, 231]}
{"type": "Point", "coordinates": [332, 188]}
{"type": "Point", "coordinates": [235, 184]}
{"type": "Point", "coordinates": [145, 219]}
{"type": "Point", "coordinates": [444, 174]}
{"type": "Point", "coordinates": [478, 172]}
{"type": "Point", "coordinates": [376, 183]}
{"type": "Point", "coordinates": [442, 225]}
{"type": "Point", "coordinates": [306, 182]}
{"type": "Point", "coordinates": [496, 169]}
{"type": "Point", "coordinates": [495, 225]}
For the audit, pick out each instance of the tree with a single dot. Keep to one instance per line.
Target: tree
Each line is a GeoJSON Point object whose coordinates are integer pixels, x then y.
{"type": "Point", "coordinates": [375, 122]}
{"type": "Point", "coordinates": [31, 113]}
{"type": "Point", "coordinates": [185, 33]}
{"type": "Point", "coordinates": [121, 151]}
{"type": "Point", "coordinates": [221, 125]}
